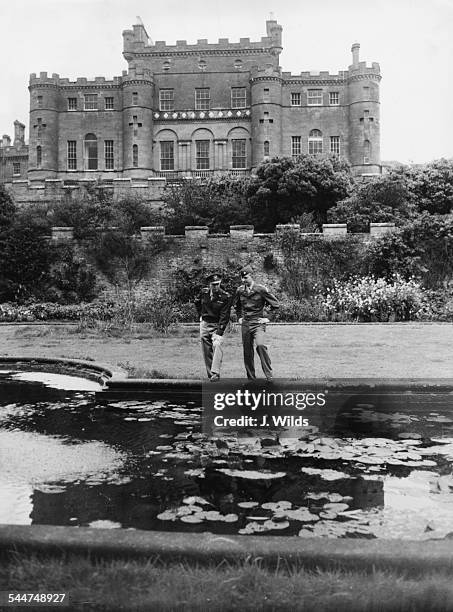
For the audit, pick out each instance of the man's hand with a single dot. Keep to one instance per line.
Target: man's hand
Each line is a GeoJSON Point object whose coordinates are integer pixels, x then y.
{"type": "Point", "coordinates": [240, 320]}
{"type": "Point", "coordinates": [216, 339]}
{"type": "Point", "coordinates": [263, 320]}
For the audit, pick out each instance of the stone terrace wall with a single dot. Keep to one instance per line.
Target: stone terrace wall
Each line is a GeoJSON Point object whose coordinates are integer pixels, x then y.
{"type": "Point", "coordinates": [199, 249]}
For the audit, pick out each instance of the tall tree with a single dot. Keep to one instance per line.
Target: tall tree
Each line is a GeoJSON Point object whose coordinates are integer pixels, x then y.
{"type": "Point", "coordinates": [285, 188]}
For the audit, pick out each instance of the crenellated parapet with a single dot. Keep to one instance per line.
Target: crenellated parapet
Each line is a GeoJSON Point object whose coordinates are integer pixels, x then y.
{"type": "Point", "coordinates": [239, 232]}
{"type": "Point", "coordinates": [55, 81]}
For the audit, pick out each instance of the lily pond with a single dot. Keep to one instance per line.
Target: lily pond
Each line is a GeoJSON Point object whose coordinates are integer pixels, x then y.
{"type": "Point", "coordinates": [67, 460]}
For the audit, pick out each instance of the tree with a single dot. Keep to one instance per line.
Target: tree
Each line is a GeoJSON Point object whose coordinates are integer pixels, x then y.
{"type": "Point", "coordinates": [285, 188]}
{"type": "Point", "coordinates": [7, 209]}
{"type": "Point", "coordinates": [216, 202]}
{"type": "Point", "coordinates": [385, 198]}
{"type": "Point", "coordinates": [26, 258]}
{"type": "Point", "coordinates": [431, 186]}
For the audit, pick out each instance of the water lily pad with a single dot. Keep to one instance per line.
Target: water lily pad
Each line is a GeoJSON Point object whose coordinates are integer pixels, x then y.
{"type": "Point", "coordinates": [192, 518]}
{"type": "Point", "coordinates": [252, 474]}
{"type": "Point", "coordinates": [168, 515]}
{"type": "Point", "coordinates": [280, 505]}
{"type": "Point", "coordinates": [248, 504]}
{"type": "Point", "coordinates": [409, 435]}
{"type": "Point", "coordinates": [335, 507]}
{"type": "Point", "coordinates": [229, 518]}
{"type": "Point", "coordinates": [194, 500]}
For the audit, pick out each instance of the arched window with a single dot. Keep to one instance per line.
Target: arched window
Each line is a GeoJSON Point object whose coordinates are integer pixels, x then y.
{"type": "Point", "coordinates": [91, 152]}
{"type": "Point", "coordinates": [39, 156]}
{"type": "Point", "coordinates": [315, 142]}
{"type": "Point", "coordinates": [135, 155]}
{"type": "Point", "coordinates": [366, 151]}
{"type": "Point", "coordinates": [266, 148]}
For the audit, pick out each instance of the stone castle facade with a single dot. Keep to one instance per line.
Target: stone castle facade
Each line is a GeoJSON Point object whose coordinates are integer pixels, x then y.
{"type": "Point", "coordinates": [190, 111]}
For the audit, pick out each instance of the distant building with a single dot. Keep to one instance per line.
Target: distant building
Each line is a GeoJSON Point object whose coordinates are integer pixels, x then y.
{"type": "Point", "coordinates": [193, 110]}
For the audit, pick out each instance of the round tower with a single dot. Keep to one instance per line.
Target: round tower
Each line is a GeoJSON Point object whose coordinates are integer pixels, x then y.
{"type": "Point", "coordinates": [138, 86]}
{"type": "Point", "coordinates": [43, 141]}
{"type": "Point", "coordinates": [364, 115]}
{"type": "Point", "coordinates": [266, 103]}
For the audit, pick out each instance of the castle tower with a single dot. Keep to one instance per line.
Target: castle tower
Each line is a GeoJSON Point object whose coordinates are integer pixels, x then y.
{"type": "Point", "coordinates": [138, 92]}
{"type": "Point", "coordinates": [266, 103]}
{"type": "Point", "coordinates": [364, 115]}
{"type": "Point", "coordinates": [43, 142]}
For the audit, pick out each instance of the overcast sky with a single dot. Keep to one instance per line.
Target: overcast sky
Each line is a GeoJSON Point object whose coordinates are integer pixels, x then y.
{"type": "Point", "coordinates": [411, 39]}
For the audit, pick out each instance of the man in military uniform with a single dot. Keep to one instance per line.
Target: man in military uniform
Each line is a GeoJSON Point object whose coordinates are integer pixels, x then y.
{"type": "Point", "coordinates": [249, 302]}
{"type": "Point", "coordinates": [213, 306]}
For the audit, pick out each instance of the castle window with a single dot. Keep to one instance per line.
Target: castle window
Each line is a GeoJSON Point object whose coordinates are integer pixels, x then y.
{"type": "Point", "coordinates": [334, 98]}
{"type": "Point", "coordinates": [72, 104]}
{"type": "Point", "coordinates": [91, 152]}
{"type": "Point", "coordinates": [72, 155]}
{"type": "Point", "coordinates": [238, 64]}
{"type": "Point", "coordinates": [202, 64]}
{"type": "Point", "coordinates": [108, 103]}
{"type": "Point", "coordinates": [202, 98]}
{"type": "Point", "coordinates": [135, 156]}
{"type": "Point", "coordinates": [39, 99]}
{"type": "Point", "coordinates": [238, 97]}
{"type": "Point", "coordinates": [296, 148]}
{"type": "Point", "coordinates": [266, 148]}
{"type": "Point", "coordinates": [167, 155]}
{"type": "Point", "coordinates": [295, 98]}
{"type": "Point", "coordinates": [108, 154]}
{"type": "Point", "coordinates": [39, 156]}
{"type": "Point", "coordinates": [202, 153]}
{"type": "Point", "coordinates": [366, 151]}
{"type": "Point", "coordinates": [314, 97]}
{"type": "Point", "coordinates": [239, 153]}
{"type": "Point", "coordinates": [91, 101]}
{"type": "Point", "coordinates": [166, 66]}
{"type": "Point", "coordinates": [16, 168]}
{"type": "Point", "coordinates": [135, 98]}
{"type": "Point", "coordinates": [266, 95]}
{"type": "Point", "coordinates": [335, 145]}
{"type": "Point", "coordinates": [366, 92]}
{"type": "Point", "coordinates": [166, 99]}
{"type": "Point", "coordinates": [315, 142]}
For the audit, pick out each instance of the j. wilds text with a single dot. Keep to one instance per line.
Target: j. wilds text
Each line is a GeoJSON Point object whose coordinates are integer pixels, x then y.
{"type": "Point", "coordinates": [265, 420]}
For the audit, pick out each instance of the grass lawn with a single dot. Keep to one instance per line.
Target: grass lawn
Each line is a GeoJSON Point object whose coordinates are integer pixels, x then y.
{"type": "Point", "coordinates": [151, 586]}
{"type": "Point", "coordinates": [297, 351]}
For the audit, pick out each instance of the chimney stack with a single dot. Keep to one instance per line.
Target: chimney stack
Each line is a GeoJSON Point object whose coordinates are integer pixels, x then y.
{"type": "Point", "coordinates": [355, 54]}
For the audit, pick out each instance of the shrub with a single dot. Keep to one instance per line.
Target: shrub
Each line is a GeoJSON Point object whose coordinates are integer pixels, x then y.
{"type": "Point", "coordinates": [421, 248]}
{"type": "Point", "coordinates": [309, 262]}
{"type": "Point", "coordinates": [294, 310]}
{"type": "Point", "coordinates": [376, 299]}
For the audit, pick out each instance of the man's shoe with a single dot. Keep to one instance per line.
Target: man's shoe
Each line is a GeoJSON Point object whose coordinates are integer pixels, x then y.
{"type": "Point", "coordinates": [215, 377]}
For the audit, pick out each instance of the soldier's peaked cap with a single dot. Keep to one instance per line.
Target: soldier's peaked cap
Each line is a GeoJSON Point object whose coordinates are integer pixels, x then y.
{"type": "Point", "coordinates": [215, 277]}
{"type": "Point", "coordinates": [246, 270]}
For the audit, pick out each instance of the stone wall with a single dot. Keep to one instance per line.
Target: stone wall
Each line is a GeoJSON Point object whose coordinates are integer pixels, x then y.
{"type": "Point", "coordinates": [199, 249]}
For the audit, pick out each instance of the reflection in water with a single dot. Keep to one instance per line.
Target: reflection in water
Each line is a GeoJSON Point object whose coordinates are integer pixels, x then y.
{"type": "Point", "coordinates": [372, 471]}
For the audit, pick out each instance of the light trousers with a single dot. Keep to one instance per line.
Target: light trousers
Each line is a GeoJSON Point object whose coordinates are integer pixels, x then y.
{"type": "Point", "coordinates": [212, 349]}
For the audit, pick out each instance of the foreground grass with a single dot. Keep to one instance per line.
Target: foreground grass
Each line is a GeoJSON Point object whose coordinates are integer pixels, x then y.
{"type": "Point", "coordinates": [406, 350]}
{"type": "Point", "coordinates": [151, 585]}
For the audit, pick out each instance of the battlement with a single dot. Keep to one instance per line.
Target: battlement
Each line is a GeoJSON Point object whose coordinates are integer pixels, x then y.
{"type": "Point", "coordinates": [137, 41]}
{"type": "Point", "coordinates": [315, 76]}
{"type": "Point", "coordinates": [364, 68]}
{"type": "Point", "coordinates": [44, 79]}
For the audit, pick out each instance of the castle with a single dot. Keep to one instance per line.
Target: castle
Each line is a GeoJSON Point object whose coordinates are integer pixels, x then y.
{"type": "Point", "coordinates": [191, 111]}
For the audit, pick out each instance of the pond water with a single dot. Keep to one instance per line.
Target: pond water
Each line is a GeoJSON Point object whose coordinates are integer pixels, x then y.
{"type": "Point", "coordinates": [67, 460]}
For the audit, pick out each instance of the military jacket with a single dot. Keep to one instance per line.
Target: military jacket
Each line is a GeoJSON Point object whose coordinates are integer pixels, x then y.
{"type": "Point", "coordinates": [214, 308]}
{"type": "Point", "coordinates": [250, 304]}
